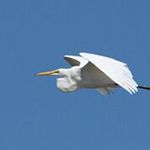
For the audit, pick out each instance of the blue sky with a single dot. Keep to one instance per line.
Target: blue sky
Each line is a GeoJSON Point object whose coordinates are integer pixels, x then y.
{"type": "Point", "coordinates": [34, 35]}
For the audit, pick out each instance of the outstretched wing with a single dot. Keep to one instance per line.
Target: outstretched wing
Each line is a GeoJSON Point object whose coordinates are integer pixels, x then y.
{"type": "Point", "coordinates": [115, 70]}
{"type": "Point", "coordinates": [76, 60]}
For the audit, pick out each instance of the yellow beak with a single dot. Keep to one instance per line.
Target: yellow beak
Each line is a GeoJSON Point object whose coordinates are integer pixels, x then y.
{"type": "Point", "coordinates": [48, 73]}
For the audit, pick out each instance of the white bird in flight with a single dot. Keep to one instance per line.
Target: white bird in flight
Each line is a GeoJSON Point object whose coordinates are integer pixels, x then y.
{"type": "Point", "coordinates": [94, 71]}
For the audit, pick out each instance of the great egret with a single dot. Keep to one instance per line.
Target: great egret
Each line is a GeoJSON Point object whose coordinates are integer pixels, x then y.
{"type": "Point", "coordinates": [94, 71]}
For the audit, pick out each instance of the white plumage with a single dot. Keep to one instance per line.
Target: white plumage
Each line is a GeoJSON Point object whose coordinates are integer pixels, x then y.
{"type": "Point", "coordinates": [94, 71]}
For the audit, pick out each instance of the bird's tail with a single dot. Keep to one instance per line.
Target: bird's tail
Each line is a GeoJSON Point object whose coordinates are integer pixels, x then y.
{"type": "Point", "coordinates": [144, 87]}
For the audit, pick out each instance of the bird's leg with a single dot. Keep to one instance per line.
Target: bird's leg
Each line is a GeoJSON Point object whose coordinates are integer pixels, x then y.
{"type": "Point", "coordinates": [144, 87]}
{"type": "Point", "coordinates": [141, 87]}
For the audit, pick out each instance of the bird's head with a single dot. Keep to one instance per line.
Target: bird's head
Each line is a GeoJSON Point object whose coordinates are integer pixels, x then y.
{"type": "Point", "coordinates": [68, 80]}
{"type": "Point", "coordinates": [61, 72]}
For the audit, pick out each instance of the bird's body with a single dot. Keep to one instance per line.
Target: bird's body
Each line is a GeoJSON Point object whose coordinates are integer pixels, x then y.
{"type": "Point", "coordinates": [94, 71]}
{"type": "Point", "coordinates": [78, 78]}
